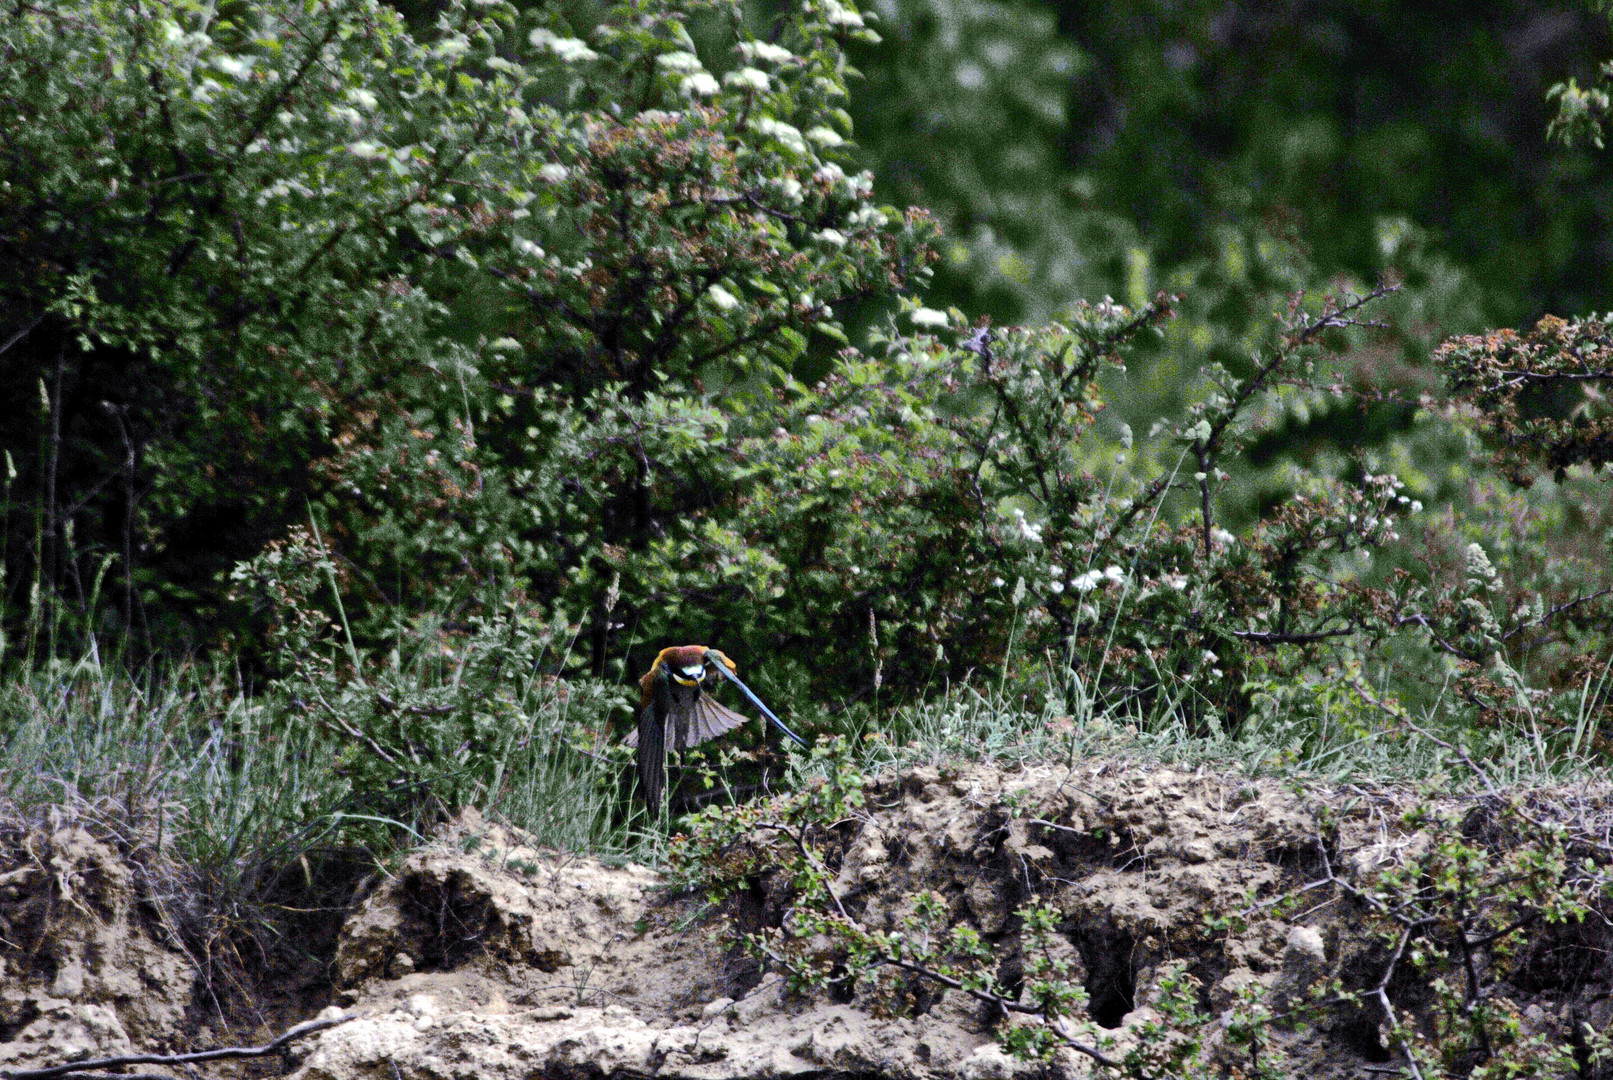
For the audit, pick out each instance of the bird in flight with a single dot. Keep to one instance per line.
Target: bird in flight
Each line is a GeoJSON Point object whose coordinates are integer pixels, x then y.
{"type": "Point", "coordinates": [674, 700]}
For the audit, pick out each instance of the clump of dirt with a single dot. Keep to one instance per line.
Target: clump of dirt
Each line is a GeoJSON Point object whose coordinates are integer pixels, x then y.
{"type": "Point", "coordinates": [86, 970]}
{"type": "Point", "coordinates": [506, 919]}
{"type": "Point", "coordinates": [485, 956]}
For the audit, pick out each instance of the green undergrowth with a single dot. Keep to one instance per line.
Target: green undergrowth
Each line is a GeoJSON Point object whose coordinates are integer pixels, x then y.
{"type": "Point", "coordinates": [230, 778]}
{"type": "Point", "coordinates": [233, 781]}
{"type": "Point", "coordinates": [969, 723]}
{"type": "Point", "coordinates": [252, 819]}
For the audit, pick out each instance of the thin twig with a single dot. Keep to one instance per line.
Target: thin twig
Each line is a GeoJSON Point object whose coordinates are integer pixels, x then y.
{"type": "Point", "coordinates": [20, 334]}
{"type": "Point", "coordinates": [180, 1059]}
{"type": "Point", "coordinates": [800, 842]}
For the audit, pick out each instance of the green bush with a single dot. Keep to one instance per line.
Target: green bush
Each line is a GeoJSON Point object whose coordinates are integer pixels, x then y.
{"type": "Point", "coordinates": [421, 368]}
{"type": "Point", "coordinates": [483, 299]}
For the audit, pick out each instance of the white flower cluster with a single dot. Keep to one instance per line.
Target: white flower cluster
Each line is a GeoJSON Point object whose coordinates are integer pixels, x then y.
{"type": "Point", "coordinates": [683, 62]}
{"type": "Point", "coordinates": [788, 134]}
{"type": "Point", "coordinates": [837, 14]}
{"type": "Point", "coordinates": [748, 78]}
{"type": "Point", "coordinates": [868, 215]}
{"type": "Point", "coordinates": [1384, 491]}
{"type": "Point", "coordinates": [281, 188]}
{"type": "Point", "coordinates": [788, 186]}
{"type": "Point", "coordinates": [765, 50]}
{"type": "Point", "coordinates": [1479, 567]}
{"type": "Point", "coordinates": [452, 47]}
{"type": "Point", "coordinates": [700, 84]}
{"type": "Point", "coordinates": [856, 186]}
{"type": "Point", "coordinates": [1028, 531]}
{"type": "Point", "coordinates": [1109, 309]}
{"type": "Point", "coordinates": [1093, 578]}
{"type": "Point", "coordinates": [830, 173]}
{"type": "Point", "coordinates": [569, 50]}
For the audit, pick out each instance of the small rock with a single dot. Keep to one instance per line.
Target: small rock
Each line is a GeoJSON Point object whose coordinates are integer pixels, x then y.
{"type": "Point", "coordinates": [758, 1001]}
{"type": "Point", "coordinates": [988, 1062]}
{"type": "Point", "coordinates": [69, 980]}
{"type": "Point", "coordinates": [1304, 957]}
{"type": "Point", "coordinates": [1536, 1021]}
{"type": "Point", "coordinates": [1304, 962]}
{"type": "Point", "coordinates": [1195, 852]}
{"type": "Point", "coordinates": [988, 906]}
{"type": "Point", "coordinates": [716, 1008]}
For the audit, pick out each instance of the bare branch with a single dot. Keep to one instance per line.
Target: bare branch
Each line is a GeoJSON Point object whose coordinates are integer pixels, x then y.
{"type": "Point", "coordinates": [290, 1036]}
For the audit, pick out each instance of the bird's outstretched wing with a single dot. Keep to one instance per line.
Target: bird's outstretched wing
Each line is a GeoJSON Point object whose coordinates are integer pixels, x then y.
{"type": "Point", "coordinates": [725, 668]}
{"type": "Point", "coordinates": [711, 719]}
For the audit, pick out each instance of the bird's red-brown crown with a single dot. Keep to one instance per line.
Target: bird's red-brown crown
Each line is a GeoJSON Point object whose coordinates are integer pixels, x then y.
{"type": "Point", "coordinates": [687, 663]}
{"type": "Point", "coordinates": [679, 657]}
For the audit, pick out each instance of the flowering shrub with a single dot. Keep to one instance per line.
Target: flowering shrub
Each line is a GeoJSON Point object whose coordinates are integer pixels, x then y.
{"type": "Point", "coordinates": [488, 298]}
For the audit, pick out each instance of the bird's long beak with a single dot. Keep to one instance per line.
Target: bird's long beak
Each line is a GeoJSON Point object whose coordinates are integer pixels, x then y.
{"type": "Point", "coordinates": [716, 661]}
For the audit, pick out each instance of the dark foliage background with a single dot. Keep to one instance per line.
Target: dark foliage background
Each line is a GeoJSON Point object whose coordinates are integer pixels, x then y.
{"type": "Point", "coordinates": [1072, 132]}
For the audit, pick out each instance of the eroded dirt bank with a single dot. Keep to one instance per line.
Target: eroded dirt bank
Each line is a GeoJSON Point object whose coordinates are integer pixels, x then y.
{"type": "Point", "coordinates": [484, 957]}
{"type": "Point", "coordinates": [86, 969]}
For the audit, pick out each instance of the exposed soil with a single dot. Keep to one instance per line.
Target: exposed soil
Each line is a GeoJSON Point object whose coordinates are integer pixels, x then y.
{"type": "Point", "coordinates": [482, 956]}
{"type": "Point", "coordinates": [85, 968]}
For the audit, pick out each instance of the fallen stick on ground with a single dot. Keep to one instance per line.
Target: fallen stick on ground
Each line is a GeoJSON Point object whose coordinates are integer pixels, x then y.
{"type": "Point", "coordinates": [79, 1067]}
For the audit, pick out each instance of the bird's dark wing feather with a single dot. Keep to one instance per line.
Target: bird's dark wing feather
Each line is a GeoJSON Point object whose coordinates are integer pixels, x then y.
{"type": "Point", "coordinates": [650, 743]}
{"type": "Point", "coordinates": [710, 719]}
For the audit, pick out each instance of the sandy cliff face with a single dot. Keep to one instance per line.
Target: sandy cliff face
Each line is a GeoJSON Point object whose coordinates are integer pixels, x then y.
{"type": "Point", "coordinates": [482, 956]}
{"type": "Point", "coordinates": [85, 969]}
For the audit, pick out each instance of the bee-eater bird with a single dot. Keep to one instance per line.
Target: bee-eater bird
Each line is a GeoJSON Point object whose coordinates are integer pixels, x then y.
{"type": "Point", "coordinates": [673, 696]}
